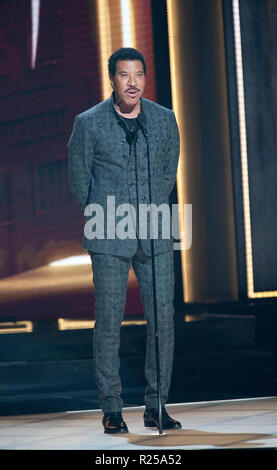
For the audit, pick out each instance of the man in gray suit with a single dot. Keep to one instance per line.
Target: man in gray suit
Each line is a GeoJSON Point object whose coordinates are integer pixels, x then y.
{"type": "Point", "coordinates": [123, 154]}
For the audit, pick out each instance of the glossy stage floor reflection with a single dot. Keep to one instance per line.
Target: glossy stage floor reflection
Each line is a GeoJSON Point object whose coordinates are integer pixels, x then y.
{"type": "Point", "coordinates": [232, 424]}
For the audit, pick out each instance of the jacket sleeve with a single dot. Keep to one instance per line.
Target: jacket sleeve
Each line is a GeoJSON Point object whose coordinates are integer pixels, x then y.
{"type": "Point", "coordinates": [80, 160]}
{"type": "Point", "coordinates": [172, 157]}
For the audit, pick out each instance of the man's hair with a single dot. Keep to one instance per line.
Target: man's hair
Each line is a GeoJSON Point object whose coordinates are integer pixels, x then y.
{"type": "Point", "coordinates": [124, 53]}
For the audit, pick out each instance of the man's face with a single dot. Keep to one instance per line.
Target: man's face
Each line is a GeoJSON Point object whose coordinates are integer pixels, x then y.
{"type": "Point", "coordinates": [128, 82]}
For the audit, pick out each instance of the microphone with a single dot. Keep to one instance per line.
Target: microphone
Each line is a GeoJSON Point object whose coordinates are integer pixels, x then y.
{"type": "Point", "coordinates": [141, 121]}
{"type": "Point", "coordinates": [131, 134]}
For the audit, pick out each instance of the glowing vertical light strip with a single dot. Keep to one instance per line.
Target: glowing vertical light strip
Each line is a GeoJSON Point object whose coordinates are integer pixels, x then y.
{"type": "Point", "coordinates": [127, 24]}
{"type": "Point", "coordinates": [243, 148]}
{"type": "Point", "coordinates": [35, 9]}
{"type": "Point", "coordinates": [244, 158]}
{"type": "Point", "coordinates": [179, 118]}
{"type": "Point", "coordinates": [105, 39]}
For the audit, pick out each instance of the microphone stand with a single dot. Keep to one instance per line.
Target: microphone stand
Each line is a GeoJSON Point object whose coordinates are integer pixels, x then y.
{"type": "Point", "coordinates": [156, 329]}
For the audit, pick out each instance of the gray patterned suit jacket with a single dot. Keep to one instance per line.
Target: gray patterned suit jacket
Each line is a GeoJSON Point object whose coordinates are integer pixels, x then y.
{"type": "Point", "coordinates": [101, 163]}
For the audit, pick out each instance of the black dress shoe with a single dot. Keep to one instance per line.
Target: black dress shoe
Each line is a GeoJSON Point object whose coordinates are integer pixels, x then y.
{"type": "Point", "coordinates": [113, 423]}
{"type": "Point", "coordinates": [151, 419]}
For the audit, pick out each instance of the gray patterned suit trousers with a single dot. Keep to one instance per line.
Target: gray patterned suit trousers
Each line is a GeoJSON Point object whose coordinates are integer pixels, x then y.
{"type": "Point", "coordinates": [110, 278]}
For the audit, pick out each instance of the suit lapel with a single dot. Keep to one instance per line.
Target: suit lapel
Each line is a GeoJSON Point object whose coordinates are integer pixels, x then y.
{"type": "Point", "coordinates": [150, 128]}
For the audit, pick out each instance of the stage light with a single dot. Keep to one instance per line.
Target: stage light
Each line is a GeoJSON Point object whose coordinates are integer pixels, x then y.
{"type": "Point", "coordinates": [127, 23]}
{"type": "Point", "coordinates": [35, 9]}
{"type": "Point", "coordinates": [68, 324]}
{"type": "Point", "coordinates": [244, 159]}
{"type": "Point", "coordinates": [72, 261]}
{"type": "Point", "coordinates": [105, 44]}
{"type": "Point", "coordinates": [176, 85]}
{"type": "Point", "coordinates": [16, 327]}
{"type": "Point", "coordinates": [109, 37]}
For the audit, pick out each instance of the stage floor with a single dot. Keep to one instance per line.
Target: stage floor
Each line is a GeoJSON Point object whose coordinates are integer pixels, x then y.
{"type": "Point", "coordinates": [232, 424]}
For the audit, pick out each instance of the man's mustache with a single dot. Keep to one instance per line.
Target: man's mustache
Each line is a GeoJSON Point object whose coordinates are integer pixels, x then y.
{"type": "Point", "coordinates": [132, 89]}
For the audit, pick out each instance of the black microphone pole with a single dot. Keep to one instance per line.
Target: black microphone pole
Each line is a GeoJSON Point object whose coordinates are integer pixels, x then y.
{"type": "Point", "coordinates": [141, 121]}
